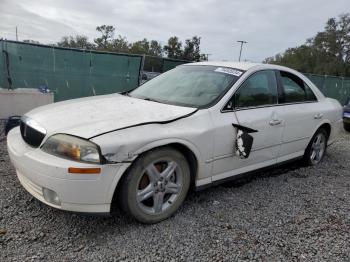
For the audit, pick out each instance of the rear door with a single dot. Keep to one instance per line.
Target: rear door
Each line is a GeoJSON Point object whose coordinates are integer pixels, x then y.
{"type": "Point", "coordinates": [301, 112]}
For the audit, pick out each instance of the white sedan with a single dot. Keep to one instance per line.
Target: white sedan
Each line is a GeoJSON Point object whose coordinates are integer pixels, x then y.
{"type": "Point", "coordinates": [194, 126]}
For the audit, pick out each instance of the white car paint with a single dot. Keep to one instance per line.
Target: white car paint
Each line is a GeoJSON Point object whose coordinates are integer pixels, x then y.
{"type": "Point", "coordinates": [87, 117]}
{"type": "Point", "coordinates": [125, 127]}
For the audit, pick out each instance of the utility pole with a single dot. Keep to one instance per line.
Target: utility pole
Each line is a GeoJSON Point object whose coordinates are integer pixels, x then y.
{"type": "Point", "coordinates": [16, 34]}
{"type": "Point", "coordinates": [240, 52]}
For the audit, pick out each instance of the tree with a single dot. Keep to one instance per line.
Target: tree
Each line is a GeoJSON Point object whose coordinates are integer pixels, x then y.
{"type": "Point", "coordinates": [155, 49]}
{"type": "Point", "coordinates": [78, 41]}
{"type": "Point", "coordinates": [328, 52]}
{"type": "Point", "coordinates": [192, 49]}
{"type": "Point", "coordinates": [140, 47]}
{"type": "Point", "coordinates": [190, 52]}
{"type": "Point", "coordinates": [174, 48]}
{"type": "Point", "coordinates": [106, 38]}
{"type": "Point", "coordinates": [204, 57]}
{"type": "Point", "coordinates": [107, 42]}
{"type": "Point", "coordinates": [119, 44]}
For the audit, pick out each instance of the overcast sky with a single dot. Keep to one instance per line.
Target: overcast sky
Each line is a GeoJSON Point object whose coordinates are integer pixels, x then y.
{"type": "Point", "coordinates": [269, 26]}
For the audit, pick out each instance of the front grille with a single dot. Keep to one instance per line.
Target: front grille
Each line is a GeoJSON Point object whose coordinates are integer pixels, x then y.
{"type": "Point", "coordinates": [30, 135]}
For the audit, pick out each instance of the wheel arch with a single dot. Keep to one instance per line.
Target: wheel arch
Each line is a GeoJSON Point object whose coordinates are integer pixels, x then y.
{"type": "Point", "coordinates": [191, 160]}
{"type": "Point", "coordinates": [190, 152]}
{"type": "Point", "coordinates": [325, 125]}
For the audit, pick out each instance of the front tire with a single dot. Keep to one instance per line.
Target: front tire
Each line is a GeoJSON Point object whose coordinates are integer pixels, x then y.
{"type": "Point", "coordinates": [316, 149]}
{"type": "Point", "coordinates": [155, 186]}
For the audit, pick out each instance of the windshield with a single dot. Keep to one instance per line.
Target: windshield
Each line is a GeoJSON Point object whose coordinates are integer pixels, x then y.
{"type": "Point", "coordinates": [194, 86]}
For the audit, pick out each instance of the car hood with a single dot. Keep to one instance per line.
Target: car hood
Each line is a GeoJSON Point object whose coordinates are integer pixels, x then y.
{"type": "Point", "coordinates": [92, 116]}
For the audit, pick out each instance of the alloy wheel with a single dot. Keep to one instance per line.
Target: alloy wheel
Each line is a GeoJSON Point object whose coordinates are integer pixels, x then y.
{"type": "Point", "coordinates": [318, 148]}
{"type": "Point", "coordinates": [159, 186]}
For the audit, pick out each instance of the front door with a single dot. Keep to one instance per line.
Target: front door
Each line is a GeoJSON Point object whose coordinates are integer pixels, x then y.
{"type": "Point", "coordinates": [254, 106]}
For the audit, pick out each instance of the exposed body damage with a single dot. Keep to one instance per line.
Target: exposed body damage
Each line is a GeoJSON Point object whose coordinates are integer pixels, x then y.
{"type": "Point", "coordinates": [193, 132]}
{"type": "Point", "coordinates": [244, 141]}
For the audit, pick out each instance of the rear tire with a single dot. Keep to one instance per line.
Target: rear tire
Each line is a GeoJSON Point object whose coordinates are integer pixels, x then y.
{"type": "Point", "coordinates": [155, 186]}
{"type": "Point", "coordinates": [316, 149]}
{"type": "Point", "coordinates": [347, 127]}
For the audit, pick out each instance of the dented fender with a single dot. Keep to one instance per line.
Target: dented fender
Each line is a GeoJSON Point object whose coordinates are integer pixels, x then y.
{"type": "Point", "coordinates": [164, 142]}
{"type": "Point", "coordinates": [193, 132]}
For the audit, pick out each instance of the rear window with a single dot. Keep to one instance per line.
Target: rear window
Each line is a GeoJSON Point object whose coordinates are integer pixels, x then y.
{"type": "Point", "coordinates": [295, 89]}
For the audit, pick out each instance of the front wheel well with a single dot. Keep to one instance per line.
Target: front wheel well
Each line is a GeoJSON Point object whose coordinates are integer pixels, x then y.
{"type": "Point", "coordinates": [184, 150]}
{"type": "Point", "coordinates": [191, 160]}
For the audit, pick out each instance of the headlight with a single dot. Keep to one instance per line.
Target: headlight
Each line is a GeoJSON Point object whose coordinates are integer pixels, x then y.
{"type": "Point", "coordinates": [72, 148]}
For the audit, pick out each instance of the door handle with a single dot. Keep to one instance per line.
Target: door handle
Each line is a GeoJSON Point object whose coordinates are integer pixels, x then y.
{"type": "Point", "coordinates": [275, 122]}
{"type": "Point", "coordinates": [318, 116]}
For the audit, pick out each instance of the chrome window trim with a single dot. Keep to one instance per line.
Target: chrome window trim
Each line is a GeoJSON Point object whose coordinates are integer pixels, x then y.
{"type": "Point", "coordinates": [275, 105]}
{"type": "Point", "coordinates": [222, 110]}
{"type": "Point", "coordinates": [304, 82]}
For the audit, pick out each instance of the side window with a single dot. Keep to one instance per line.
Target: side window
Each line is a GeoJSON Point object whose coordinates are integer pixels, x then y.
{"type": "Point", "coordinates": [259, 89]}
{"type": "Point", "coordinates": [295, 90]}
{"type": "Point", "coordinates": [310, 96]}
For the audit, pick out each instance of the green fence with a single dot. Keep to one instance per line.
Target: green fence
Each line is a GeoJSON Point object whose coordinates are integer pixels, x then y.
{"type": "Point", "coordinates": [169, 64]}
{"type": "Point", "coordinates": [69, 73]}
{"type": "Point", "coordinates": [161, 65]}
{"type": "Point", "coordinates": [73, 73]}
{"type": "Point", "coordinates": [332, 86]}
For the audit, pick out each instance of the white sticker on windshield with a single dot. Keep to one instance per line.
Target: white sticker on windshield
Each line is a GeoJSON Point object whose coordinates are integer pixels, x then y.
{"type": "Point", "coordinates": [230, 71]}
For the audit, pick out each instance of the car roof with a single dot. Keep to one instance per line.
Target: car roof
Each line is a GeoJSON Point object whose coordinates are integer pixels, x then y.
{"type": "Point", "coordinates": [237, 65]}
{"type": "Point", "coordinates": [245, 66]}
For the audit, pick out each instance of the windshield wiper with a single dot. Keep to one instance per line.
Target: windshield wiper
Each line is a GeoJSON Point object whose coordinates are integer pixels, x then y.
{"type": "Point", "coordinates": [152, 100]}
{"type": "Point", "coordinates": [124, 93]}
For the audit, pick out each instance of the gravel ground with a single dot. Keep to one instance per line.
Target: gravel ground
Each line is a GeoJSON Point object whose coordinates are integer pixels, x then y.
{"type": "Point", "coordinates": [291, 213]}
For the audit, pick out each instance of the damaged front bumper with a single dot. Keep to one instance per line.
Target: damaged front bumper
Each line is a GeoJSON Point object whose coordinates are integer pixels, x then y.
{"type": "Point", "coordinates": [46, 177]}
